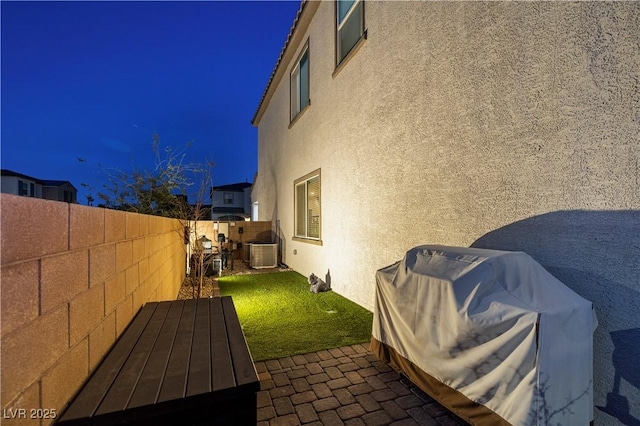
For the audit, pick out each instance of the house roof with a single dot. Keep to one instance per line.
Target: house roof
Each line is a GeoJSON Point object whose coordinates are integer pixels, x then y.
{"type": "Point", "coordinates": [237, 187]}
{"type": "Point", "coordinates": [57, 183]}
{"type": "Point", "coordinates": [272, 79]}
{"type": "Point", "coordinates": [54, 182]}
{"type": "Point", "coordinates": [7, 172]}
{"type": "Point", "coordinates": [44, 182]}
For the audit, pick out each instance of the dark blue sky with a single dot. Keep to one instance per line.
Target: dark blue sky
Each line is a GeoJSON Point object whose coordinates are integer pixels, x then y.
{"type": "Point", "coordinates": [95, 80]}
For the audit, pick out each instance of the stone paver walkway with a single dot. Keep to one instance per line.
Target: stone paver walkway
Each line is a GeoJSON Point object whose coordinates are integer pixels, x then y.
{"type": "Point", "coordinates": [342, 386]}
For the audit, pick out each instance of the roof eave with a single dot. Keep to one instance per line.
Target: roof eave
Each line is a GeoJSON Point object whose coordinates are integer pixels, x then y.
{"type": "Point", "coordinates": [307, 9]}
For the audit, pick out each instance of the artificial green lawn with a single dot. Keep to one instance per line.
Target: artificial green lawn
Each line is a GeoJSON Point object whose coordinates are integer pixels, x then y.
{"type": "Point", "coordinates": [281, 317]}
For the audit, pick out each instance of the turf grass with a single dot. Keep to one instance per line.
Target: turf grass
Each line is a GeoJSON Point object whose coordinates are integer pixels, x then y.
{"type": "Point", "coordinates": [280, 317]}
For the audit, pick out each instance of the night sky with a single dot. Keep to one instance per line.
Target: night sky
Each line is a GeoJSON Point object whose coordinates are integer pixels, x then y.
{"type": "Point", "coordinates": [95, 80]}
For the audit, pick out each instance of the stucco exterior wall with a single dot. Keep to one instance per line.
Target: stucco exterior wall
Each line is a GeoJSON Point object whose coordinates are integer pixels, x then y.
{"type": "Point", "coordinates": [57, 193]}
{"type": "Point", "coordinates": [10, 185]}
{"type": "Point", "coordinates": [73, 277]}
{"type": "Point", "coordinates": [241, 199]}
{"type": "Point", "coordinates": [501, 125]}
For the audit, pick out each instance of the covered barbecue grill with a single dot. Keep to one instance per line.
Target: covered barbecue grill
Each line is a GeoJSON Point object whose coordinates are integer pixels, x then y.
{"type": "Point", "coordinates": [490, 334]}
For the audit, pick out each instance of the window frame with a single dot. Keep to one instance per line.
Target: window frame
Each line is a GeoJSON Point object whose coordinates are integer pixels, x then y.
{"type": "Point", "coordinates": [23, 188]}
{"type": "Point", "coordinates": [305, 181]}
{"type": "Point", "coordinates": [340, 61]}
{"type": "Point", "coordinates": [299, 108]}
{"type": "Point", "coordinates": [231, 196]}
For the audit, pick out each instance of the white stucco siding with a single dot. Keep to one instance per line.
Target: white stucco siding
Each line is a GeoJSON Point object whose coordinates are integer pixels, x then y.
{"type": "Point", "coordinates": [459, 119]}
{"type": "Point", "coordinates": [502, 125]}
{"type": "Point", "coordinates": [10, 185]}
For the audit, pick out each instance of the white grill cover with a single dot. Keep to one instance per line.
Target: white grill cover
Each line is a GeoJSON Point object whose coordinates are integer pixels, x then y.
{"type": "Point", "coordinates": [495, 326]}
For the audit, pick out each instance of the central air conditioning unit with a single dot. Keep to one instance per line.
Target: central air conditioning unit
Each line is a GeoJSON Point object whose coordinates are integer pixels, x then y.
{"type": "Point", "coordinates": [263, 255]}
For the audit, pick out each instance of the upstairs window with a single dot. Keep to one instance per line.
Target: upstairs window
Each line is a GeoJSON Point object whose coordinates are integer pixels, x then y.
{"type": "Point", "coordinates": [300, 84]}
{"type": "Point", "coordinates": [307, 207]}
{"type": "Point", "coordinates": [350, 26]}
{"type": "Point", "coordinates": [228, 198]}
{"type": "Point", "coordinates": [23, 188]}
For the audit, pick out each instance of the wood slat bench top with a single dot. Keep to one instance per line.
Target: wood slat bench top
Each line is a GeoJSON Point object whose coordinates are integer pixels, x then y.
{"type": "Point", "coordinates": [175, 360]}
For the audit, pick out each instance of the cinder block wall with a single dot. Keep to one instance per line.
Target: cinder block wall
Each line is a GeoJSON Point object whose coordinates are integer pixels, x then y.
{"type": "Point", "coordinates": [73, 277]}
{"type": "Point", "coordinates": [251, 232]}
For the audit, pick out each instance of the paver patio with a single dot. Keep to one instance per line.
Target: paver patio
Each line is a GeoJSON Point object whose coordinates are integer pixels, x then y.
{"type": "Point", "coordinates": [342, 386]}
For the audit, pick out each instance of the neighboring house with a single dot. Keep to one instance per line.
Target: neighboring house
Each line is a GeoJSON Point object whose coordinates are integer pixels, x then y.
{"type": "Point", "coordinates": [231, 202]}
{"type": "Point", "coordinates": [20, 184]}
{"type": "Point", "coordinates": [504, 125]}
{"type": "Point", "coordinates": [59, 190]}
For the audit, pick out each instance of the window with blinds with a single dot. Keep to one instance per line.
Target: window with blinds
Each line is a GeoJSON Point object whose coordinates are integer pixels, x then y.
{"type": "Point", "coordinates": [307, 206]}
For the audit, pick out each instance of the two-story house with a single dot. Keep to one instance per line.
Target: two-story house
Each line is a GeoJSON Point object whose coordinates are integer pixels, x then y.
{"type": "Point", "coordinates": [28, 186]}
{"type": "Point", "coordinates": [231, 202]}
{"type": "Point", "coordinates": [506, 125]}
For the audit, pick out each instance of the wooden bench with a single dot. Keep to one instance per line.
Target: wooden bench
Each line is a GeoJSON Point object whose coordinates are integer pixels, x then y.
{"type": "Point", "coordinates": [180, 362]}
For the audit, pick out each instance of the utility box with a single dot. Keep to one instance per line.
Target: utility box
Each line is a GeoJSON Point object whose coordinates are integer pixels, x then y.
{"type": "Point", "coordinates": [263, 255]}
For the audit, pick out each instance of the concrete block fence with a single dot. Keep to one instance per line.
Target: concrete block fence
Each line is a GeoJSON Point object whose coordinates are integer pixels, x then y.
{"type": "Point", "coordinates": [72, 278]}
{"type": "Point", "coordinates": [252, 231]}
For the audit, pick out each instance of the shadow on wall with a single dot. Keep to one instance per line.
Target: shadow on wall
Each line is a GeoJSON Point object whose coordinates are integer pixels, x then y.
{"type": "Point", "coordinates": [626, 354]}
{"type": "Point", "coordinates": [281, 241]}
{"type": "Point", "coordinates": [597, 254]}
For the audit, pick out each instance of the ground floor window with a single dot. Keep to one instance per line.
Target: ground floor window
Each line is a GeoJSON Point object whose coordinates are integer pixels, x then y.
{"type": "Point", "coordinates": [307, 207]}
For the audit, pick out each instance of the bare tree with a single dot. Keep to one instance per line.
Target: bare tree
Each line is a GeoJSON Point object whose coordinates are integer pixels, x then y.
{"type": "Point", "coordinates": [164, 190]}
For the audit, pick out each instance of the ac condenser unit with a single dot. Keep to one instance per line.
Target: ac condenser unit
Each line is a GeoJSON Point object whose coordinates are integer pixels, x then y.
{"type": "Point", "coordinates": [263, 255]}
